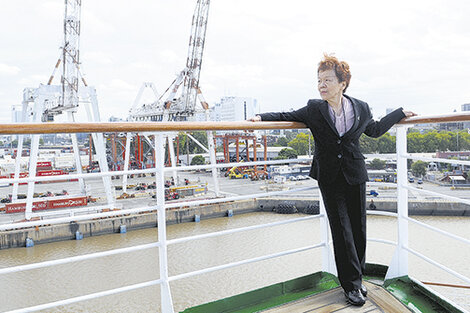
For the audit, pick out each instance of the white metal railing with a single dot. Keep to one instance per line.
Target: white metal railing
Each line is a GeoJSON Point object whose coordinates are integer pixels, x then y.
{"type": "Point", "coordinates": [73, 217]}
{"type": "Point", "coordinates": [398, 266]}
{"type": "Point", "coordinates": [166, 302]}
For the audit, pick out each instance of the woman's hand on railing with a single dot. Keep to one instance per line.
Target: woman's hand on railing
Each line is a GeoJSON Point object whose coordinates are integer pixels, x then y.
{"type": "Point", "coordinates": [255, 118]}
{"type": "Point", "coordinates": [409, 114]}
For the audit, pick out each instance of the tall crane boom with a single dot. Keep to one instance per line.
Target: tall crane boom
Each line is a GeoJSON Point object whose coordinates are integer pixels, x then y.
{"type": "Point", "coordinates": [178, 102]}
{"type": "Point", "coordinates": [195, 51]}
{"type": "Point", "coordinates": [71, 54]}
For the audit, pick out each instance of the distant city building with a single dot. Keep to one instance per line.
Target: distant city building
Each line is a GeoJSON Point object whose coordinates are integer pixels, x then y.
{"type": "Point", "coordinates": [235, 109]}
{"type": "Point", "coordinates": [426, 127]}
{"type": "Point", "coordinates": [115, 119]}
{"type": "Point", "coordinates": [453, 126]}
{"type": "Point", "coordinates": [466, 108]}
{"type": "Point", "coordinates": [200, 116]}
{"type": "Point", "coordinates": [16, 112]}
{"type": "Point", "coordinates": [16, 117]}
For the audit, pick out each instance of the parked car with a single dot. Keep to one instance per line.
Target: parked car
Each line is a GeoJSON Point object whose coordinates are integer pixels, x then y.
{"type": "Point", "coordinates": [420, 181]}
{"type": "Point", "coordinates": [169, 195]}
{"type": "Point", "coordinates": [373, 193]}
{"type": "Point", "coordinates": [411, 179]}
{"type": "Point", "coordinates": [5, 200]}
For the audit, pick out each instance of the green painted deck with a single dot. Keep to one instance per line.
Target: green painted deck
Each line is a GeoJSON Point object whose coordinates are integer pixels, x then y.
{"type": "Point", "coordinates": [320, 292]}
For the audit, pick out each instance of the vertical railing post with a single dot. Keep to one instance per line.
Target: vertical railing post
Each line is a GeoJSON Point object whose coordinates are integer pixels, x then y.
{"type": "Point", "coordinates": [127, 157]}
{"type": "Point", "coordinates": [328, 261]}
{"type": "Point", "coordinates": [19, 153]}
{"type": "Point", "coordinates": [76, 154]}
{"type": "Point", "coordinates": [399, 264]}
{"type": "Point", "coordinates": [33, 160]}
{"type": "Point", "coordinates": [33, 157]}
{"type": "Point", "coordinates": [173, 160]}
{"type": "Point", "coordinates": [213, 160]}
{"type": "Point", "coordinates": [165, 293]}
{"type": "Point", "coordinates": [93, 115]}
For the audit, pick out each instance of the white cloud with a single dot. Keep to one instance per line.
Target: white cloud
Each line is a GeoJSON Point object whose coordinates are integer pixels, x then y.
{"type": "Point", "coordinates": [8, 69]}
{"type": "Point", "coordinates": [411, 53]}
{"type": "Point", "coordinates": [35, 80]}
{"type": "Point", "coordinates": [118, 85]}
{"type": "Point", "coordinates": [96, 57]}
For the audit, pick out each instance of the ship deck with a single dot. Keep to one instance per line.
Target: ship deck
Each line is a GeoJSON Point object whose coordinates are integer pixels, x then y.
{"type": "Point", "coordinates": [320, 292]}
{"type": "Point", "coordinates": [378, 300]}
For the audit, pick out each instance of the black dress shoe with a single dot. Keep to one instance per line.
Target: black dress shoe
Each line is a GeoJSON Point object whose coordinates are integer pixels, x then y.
{"type": "Point", "coordinates": [364, 290]}
{"type": "Point", "coordinates": [355, 297]}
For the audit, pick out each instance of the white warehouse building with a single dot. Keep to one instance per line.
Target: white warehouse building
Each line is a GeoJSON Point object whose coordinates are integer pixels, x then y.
{"type": "Point", "coordinates": [235, 109]}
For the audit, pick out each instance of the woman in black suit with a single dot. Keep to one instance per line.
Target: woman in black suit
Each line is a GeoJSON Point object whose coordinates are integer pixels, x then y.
{"type": "Point", "coordinates": [336, 122]}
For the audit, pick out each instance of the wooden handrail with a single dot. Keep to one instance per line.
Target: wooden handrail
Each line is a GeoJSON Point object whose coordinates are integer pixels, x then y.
{"type": "Point", "coordinates": [122, 127]}
{"type": "Point", "coordinates": [446, 118]}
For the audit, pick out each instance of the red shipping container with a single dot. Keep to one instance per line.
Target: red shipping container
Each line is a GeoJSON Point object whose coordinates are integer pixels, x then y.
{"type": "Point", "coordinates": [44, 164]}
{"type": "Point", "coordinates": [21, 207]}
{"type": "Point", "coordinates": [50, 173]}
{"type": "Point", "coordinates": [45, 205]}
{"type": "Point", "coordinates": [22, 175]}
{"type": "Point", "coordinates": [68, 202]}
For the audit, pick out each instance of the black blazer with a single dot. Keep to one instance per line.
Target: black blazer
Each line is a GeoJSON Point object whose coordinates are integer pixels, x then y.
{"type": "Point", "coordinates": [334, 153]}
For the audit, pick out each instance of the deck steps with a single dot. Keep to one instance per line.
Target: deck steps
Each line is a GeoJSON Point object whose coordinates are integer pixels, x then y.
{"type": "Point", "coordinates": [378, 300]}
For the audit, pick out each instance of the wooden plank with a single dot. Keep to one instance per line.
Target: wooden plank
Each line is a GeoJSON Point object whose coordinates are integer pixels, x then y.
{"type": "Point", "coordinates": [348, 308]}
{"type": "Point", "coordinates": [385, 300]}
{"type": "Point", "coordinates": [379, 300]}
{"type": "Point", "coordinates": [312, 302]}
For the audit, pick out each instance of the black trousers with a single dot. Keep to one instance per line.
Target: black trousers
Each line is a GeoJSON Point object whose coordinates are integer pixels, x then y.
{"type": "Point", "coordinates": [346, 209]}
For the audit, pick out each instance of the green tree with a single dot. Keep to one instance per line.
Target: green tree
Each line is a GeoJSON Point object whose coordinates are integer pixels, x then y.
{"type": "Point", "coordinates": [290, 135]}
{"type": "Point", "coordinates": [464, 140]}
{"type": "Point", "coordinates": [200, 136]}
{"type": "Point", "coordinates": [282, 142]}
{"type": "Point", "coordinates": [419, 168]}
{"type": "Point", "coordinates": [368, 144]}
{"type": "Point", "coordinates": [386, 144]}
{"type": "Point", "coordinates": [433, 141]}
{"type": "Point", "coordinates": [377, 164]}
{"type": "Point", "coordinates": [444, 139]}
{"type": "Point", "coordinates": [300, 143]}
{"type": "Point", "coordinates": [286, 153]}
{"type": "Point", "coordinates": [414, 143]}
{"type": "Point", "coordinates": [430, 141]}
{"type": "Point", "coordinates": [187, 145]}
{"type": "Point", "coordinates": [198, 160]}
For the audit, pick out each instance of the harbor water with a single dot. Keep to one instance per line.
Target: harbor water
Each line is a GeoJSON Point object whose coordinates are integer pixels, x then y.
{"type": "Point", "coordinates": [39, 286]}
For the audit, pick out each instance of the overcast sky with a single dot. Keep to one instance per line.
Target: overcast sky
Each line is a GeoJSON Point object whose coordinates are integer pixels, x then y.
{"type": "Point", "coordinates": [414, 54]}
